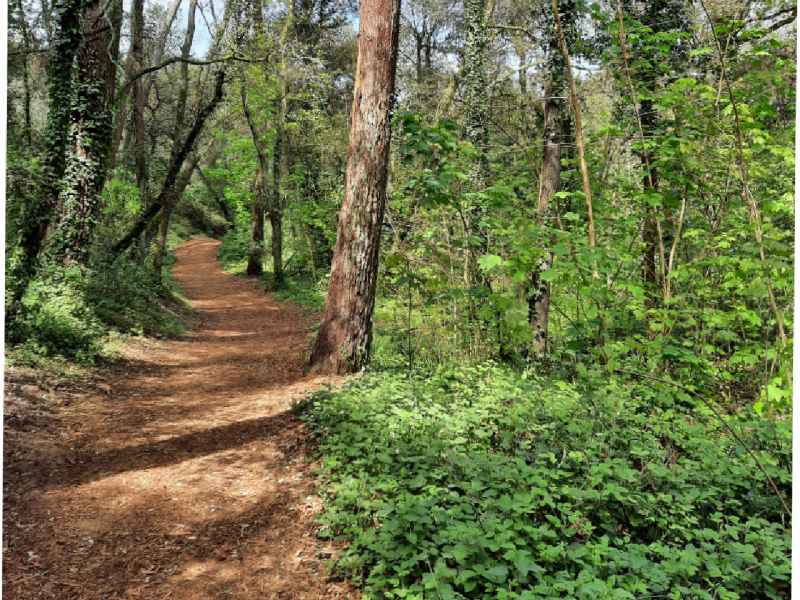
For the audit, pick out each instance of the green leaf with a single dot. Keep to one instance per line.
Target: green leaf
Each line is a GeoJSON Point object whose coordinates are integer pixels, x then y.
{"type": "Point", "coordinates": [549, 275]}
{"type": "Point", "coordinates": [489, 261]}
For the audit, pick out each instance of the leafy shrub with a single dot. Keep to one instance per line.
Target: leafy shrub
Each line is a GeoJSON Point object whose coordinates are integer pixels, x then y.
{"type": "Point", "coordinates": [479, 483]}
{"type": "Point", "coordinates": [68, 312]}
{"type": "Point", "coordinates": [56, 316]}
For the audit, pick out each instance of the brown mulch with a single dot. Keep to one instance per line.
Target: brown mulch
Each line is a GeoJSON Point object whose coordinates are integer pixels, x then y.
{"type": "Point", "coordinates": [177, 473]}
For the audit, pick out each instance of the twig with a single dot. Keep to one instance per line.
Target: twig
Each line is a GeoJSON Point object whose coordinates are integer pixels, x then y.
{"type": "Point", "coordinates": [438, 593]}
{"type": "Point", "coordinates": [722, 420]}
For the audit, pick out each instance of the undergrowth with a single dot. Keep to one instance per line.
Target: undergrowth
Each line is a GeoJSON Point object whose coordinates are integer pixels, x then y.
{"type": "Point", "coordinates": [298, 288]}
{"type": "Point", "coordinates": [79, 314]}
{"type": "Point", "coordinates": [480, 483]}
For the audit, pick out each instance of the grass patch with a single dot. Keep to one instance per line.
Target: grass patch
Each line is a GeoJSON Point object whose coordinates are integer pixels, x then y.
{"type": "Point", "coordinates": [480, 483]}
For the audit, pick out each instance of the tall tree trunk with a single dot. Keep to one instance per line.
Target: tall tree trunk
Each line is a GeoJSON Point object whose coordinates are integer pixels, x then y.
{"type": "Point", "coordinates": [26, 88]}
{"type": "Point", "coordinates": [256, 256]}
{"type": "Point", "coordinates": [90, 136]}
{"type": "Point", "coordinates": [23, 264]}
{"type": "Point", "coordinates": [476, 96]}
{"type": "Point", "coordinates": [345, 334]}
{"type": "Point", "coordinates": [549, 184]}
{"type": "Point", "coordinates": [255, 259]}
{"type": "Point", "coordinates": [649, 231]}
{"type": "Point", "coordinates": [139, 101]}
{"type": "Point", "coordinates": [275, 207]}
{"type": "Point", "coordinates": [555, 119]}
{"type": "Point", "coordinates": [180, 118]}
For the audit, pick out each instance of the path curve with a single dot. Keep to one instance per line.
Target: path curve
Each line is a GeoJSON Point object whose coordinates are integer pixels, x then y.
{"type": "Point", "coordinates": [185, 476]}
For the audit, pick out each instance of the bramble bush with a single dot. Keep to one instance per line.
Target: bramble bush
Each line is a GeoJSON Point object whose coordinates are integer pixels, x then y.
{"type": "Point", "coordinates": [482, 483]}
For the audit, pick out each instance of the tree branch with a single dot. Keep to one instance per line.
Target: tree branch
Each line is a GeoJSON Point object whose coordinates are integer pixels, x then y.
{"type": "Point", "coordinates": [179, 59]}
{"type": "Point", "coordinates": [172, 174]}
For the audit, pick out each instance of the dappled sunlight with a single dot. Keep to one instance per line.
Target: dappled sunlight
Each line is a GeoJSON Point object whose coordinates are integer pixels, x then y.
{"type": "Point", "coordinates": [184, 476]}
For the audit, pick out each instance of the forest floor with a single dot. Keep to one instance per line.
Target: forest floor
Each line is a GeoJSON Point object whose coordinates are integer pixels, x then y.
{"type": "Point", "coordinates": [177, 472]}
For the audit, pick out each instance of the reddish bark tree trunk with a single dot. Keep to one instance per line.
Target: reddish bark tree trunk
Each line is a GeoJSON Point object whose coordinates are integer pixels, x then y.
{"type": "Point", "coordinates": [345, 334]}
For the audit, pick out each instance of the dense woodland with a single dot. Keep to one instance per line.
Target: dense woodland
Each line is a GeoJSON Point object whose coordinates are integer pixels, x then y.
{"type": "Point", "coordinates": [556, 236]}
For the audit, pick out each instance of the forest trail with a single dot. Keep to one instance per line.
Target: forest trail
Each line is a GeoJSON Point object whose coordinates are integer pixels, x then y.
{"type": "Point", "coordinates": [183, 474]}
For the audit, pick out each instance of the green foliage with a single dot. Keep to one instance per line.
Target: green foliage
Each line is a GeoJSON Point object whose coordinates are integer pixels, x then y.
{"type": "Point", "coordinates": [71, 312]}
{"type": "Point", "coordinates": [481, 483]}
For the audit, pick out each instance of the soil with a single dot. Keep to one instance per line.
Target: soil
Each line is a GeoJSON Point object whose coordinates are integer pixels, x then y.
{"type": "Point", "coordinates": [179, 472]}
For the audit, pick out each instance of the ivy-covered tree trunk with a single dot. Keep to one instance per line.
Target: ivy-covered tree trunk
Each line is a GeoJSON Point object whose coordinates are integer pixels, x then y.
{"type": "Point", "coordinates": [23, 263]}
{"type": "Point", "coordinates": [90, 133]}
{"type": "Point", "coordinates": [345, 334]}
{"type": "Point", "coordinates": [477, 91]}
{"type": "Point", "coordinates": [26, 88]}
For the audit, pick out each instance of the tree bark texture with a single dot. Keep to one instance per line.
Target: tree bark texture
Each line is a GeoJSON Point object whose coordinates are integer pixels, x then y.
{"type": "Point", "coordinates": [477, 96]}
{"type": "Point", "coordinates": [256, 256]}
{"type": "Point", "coordinates": [549, 184]}
{"type": "Point", "coordinates": [255, 259]}
{"type": "Point", "coordinates": [139, 101]}
{"type": "Point", "coordinates": [90, 133]}
{"type": "Point", "coordinates": [274, 206]}
{"type": "Point", "coordinates": [345, 334]}
{"type": "Point", "coordinates": [555, 120]}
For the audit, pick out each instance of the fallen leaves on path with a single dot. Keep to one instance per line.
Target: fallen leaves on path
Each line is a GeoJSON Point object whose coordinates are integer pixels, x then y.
{"type": "Point", "coordinates": [179, 473]}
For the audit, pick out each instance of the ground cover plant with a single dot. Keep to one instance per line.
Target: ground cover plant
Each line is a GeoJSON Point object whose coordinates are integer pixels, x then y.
{"type": "Point", "coordinates": [553, 239]}
{"type": "Point", "coordinates": [478, 482]}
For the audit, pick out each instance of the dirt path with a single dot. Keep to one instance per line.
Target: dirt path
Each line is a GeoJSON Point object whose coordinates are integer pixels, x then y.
{"type": "Point", "coordinates": [180, 474]}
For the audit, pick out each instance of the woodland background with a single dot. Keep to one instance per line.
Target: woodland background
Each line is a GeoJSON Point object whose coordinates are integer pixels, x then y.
{"type": "Point", "coordinates": [580, 376]}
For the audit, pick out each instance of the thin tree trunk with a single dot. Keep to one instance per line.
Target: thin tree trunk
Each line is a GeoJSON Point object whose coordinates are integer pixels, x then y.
{"type": "Point", "coordinates": [549, 184]}
{"type": "Point", "coordinates": [122, 113]}
{"type": "Point", "coordinates": [23, 20]}
{"type": "Point", "coordinates": [255, 259]}
{"type": "Point", "coordinates": [345, 334]}
{"type": "Point", "coordinates": [139, 101]}
{"type": "Point", "coordinates": [161, 43]}
{"type": "Point", "coordinates": [172, 172]}
{"type": "Point", "coordinates": [169, 208]}
{"type": "Point", "coordinates": [180, 117]}
{"type": "Point", "coordinates": [274, 205]}
{"type": "Point", "coordinates": [550, 180]}
{"type": "Point", "coordinates": [262, 196]}
{"type": "Point", "coordinates": [477, 97]}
